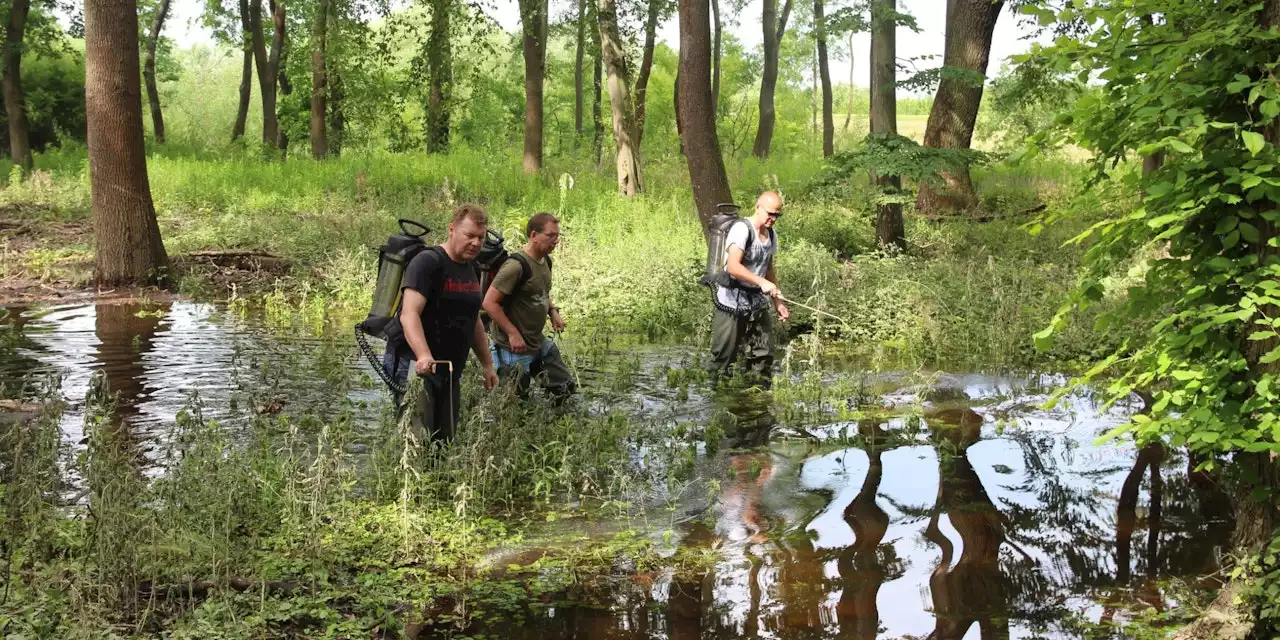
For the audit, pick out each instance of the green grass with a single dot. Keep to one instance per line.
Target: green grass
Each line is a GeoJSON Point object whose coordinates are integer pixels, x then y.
{"type": "Point", "coordinates": [971, 292]}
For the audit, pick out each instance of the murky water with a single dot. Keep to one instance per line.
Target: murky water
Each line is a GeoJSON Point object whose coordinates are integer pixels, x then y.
{"type": "Point", "coordinates": [989, 518]}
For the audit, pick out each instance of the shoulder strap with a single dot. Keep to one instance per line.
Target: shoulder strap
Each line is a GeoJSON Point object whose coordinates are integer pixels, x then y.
{"type": "Point", "coordinates": [526, 273]}
{"type": "Point", "coordinates": [751, 235]}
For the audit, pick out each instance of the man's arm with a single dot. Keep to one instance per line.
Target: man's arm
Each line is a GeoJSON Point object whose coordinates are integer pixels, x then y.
{"type": "Point", "coordinates": [772, 276]}
{"type": "Point", "coordinates": [741, 272]}
{"type": "Point", "coordinates": [411, 322]}
{"type": "Point", "coordinates": [480, 344]}
{"type": "Point", "coordinates": [493, 306]}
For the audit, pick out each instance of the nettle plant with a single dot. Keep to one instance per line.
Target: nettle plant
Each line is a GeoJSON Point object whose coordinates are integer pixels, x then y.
{"type": "Point", "coordinates": [1190, 89]}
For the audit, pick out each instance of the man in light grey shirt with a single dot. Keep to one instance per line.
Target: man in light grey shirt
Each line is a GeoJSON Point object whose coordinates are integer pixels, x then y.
{"type": "Point", "coordinates": [742, 320]}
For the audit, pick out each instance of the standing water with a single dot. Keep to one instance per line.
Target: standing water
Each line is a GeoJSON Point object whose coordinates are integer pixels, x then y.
{"type": "Point", "coordinates": [957, 509]}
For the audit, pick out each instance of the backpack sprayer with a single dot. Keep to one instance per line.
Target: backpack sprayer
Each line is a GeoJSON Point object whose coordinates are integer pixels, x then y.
{"type": "Point", "coordinates": [393, 260]}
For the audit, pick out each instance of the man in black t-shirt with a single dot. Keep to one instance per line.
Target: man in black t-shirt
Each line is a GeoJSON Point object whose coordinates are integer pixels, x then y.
{"type": "Point", "coordinates": [439, 321]}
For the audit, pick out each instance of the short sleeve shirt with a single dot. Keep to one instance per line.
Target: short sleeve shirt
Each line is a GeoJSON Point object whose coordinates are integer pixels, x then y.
{"type": "Point", "coordinates": [756, 258]}
{"type": "Point", "coordinates": [528, 306]}
{"type": "Point", "coordinates": [452, 290]}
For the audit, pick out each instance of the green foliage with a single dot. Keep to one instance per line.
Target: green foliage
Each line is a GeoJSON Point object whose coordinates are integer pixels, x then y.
{"type": "Point", "coordinates": [1191, 81]}
{"type": "Point", "coordinates": [53, 91]}
{"type": "Point", "coordinates": [1023, 101]}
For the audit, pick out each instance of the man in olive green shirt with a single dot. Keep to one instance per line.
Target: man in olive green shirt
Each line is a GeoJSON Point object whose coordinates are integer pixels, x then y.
{"type": "Point", "coordinates": [519, 303]}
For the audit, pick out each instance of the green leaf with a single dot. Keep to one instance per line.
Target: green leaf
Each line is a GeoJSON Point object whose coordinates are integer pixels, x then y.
{"type": "Point", "coordinates": [1249, 233]}
{"type": "Point", "coordinates": [1262, 335]}
{"type": "Point", "coordinates": [1231, 239]}
{"type": "Point", "coordinates": [1225, 224]}
{"type": "Point", "coordinates": [1250, 182]}
{"type": "Point", "coordinates": [1180, 146]}
{"type": "Point", "coordinates": [1253, 141]}
{"type": "Point", "coordinates": [1271, 356]}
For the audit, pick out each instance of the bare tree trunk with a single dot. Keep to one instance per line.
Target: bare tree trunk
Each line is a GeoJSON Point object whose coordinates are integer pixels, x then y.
{"type": "Point", "coordinates": [718, 30]}
{"type": "Point", "coordinates": [824, 73]}
{"type": "Point", "coordinates": [319, 82]}
{"type": "Point", "coordinates": [813, 94]}
{"type": "Point", "coordinates": [149, 71]}
{"type": "Point", "coordinates": [127, 247]}
{"type": "Point", "coordinates": [246, 75]}
{"type": "Point", "coordinates": [852, 95]}
{"type": "Point", "coordinates": [14, 101]}
{"type": "Point", "coordinates": [579, 47]}
{"type": "Point", "coordinates": [624, 126]}
{"type": "Point", "coordinates": [890, 231]}
{"type": "Point", "coordinates": [337, 118]}
{"type": "Point", "coordinates": [266, 77]}
{"type": "Point", "coordinates": [440, 64]}
{"type": "Point", "coordinates": [533, 15]}
{"type": "Point", "coordinates": [970, 25]}
{"type": "Point", "coordinates": [277, 64]}
{"type": "Point", "coordinates": [774, 26]}
{"type": "Point", "coordinates": [697, 112]}
{"type": "Point", "coordinates": [646, 66]}
{"type": "Point", "coordinates": [596, 123]}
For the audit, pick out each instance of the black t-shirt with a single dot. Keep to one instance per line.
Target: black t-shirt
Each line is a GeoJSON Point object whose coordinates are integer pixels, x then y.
{"type": "Point", "coordinates": [452, 290]}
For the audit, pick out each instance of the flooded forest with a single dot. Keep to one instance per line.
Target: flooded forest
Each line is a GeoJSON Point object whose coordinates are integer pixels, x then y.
{"type": "Point", "coordinates": [640, 319]}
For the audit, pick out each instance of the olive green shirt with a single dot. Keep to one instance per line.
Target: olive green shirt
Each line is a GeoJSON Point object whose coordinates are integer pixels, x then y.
{"type": "Point", "coordinates": [528, 308]}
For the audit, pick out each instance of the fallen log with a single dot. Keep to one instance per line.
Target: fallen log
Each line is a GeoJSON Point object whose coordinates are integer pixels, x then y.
{"type": "Point", "coordinates": [201, 588]}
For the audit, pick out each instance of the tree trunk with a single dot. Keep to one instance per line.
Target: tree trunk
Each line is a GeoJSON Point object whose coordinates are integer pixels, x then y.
{"type": "Point", "coordinates": [533, 16]}
{"type": "Point", "coordinates": [890, 231]}
{"type": "Point", "coordinates": [337, 118]}
{"type": "Point", "coordinates": [697, 112]}
{"type": "Point", "coordinates": [127, 246]}
{"type": "Point", "coordinates": [596, 123]}
{"type": "Point", "coordinates": [149, 71]}
{"type": "Point", "coordinates": [849, 115]}
{"type": "Point", "coordinates": [824, 73]}
{"type": "Point", "coordinates": [266, 78]}
{"type": "Point", "coordinates": [440, 65]}
{"type": "Point", "coordinates": [276, 61]}
{"type": "Point", "coordinates": [14, 102]}
{"type": "Point", "coordinates": [624, 125]}
{"type": "Point", "coordinates": [646, 66]}
{"type": "Point", "coordinates": [970, 25]}
{"type": "Point", "coordinates": [246, 74]}
{"type": "Point", "coordinates": [579, 50]}
{"type": "Point", "coordinates": [774, 27]}
{"type": "Point", "coordinates": [319, 82]}
{"type": "Point", "coordinates": [718, 30]}
{"type": "Point", "coordinates": [813, 94]}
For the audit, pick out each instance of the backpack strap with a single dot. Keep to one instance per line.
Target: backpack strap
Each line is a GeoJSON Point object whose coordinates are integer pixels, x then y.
{"type": "Point", "coordinates": [526, 274]}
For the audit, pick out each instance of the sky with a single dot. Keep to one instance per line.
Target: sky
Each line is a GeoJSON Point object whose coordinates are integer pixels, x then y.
{"type": "Point", "coordinates": [1010, 38]}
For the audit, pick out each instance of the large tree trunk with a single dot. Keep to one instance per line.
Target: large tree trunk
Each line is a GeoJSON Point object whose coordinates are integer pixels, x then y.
{"type": "Point", "coordinates": [596, 123]}
{"type": "Point", "coordinates": [127, 246]}
{"type": "Point", "coordinates": [337, 118]}
{"type": "Point", "coordinates": [533, 16]}
{"type": "Point", "coordinates": [14, 102]}
{"type": "Point", "coordinates": [774, 27]}
{"type": "Point", "coordinates": [266, 77]}
{"type": "Point", "coordinates": [578, 54]}
{"type": "Point", "coordinates": [717, 31]}
{"type": "Point", "coordinates": [970, 25]}
{"type": "Point", "coordinates": [276, 61]}
{"type": "Point", "coordinates": [149, 71]}
{"type": "Point", "coordinates": [624, 125]}
{"type": "Point", "coordinates": [890, 231]}
{"type": "Point", "coordinates": [697, 112]}
{"type": "Point", "coordinates": [849, 114]}
{"type": "Point", "coordinates": [646, 66]}
{"type": "Point", "coordinates": [440, 65]}
{"type": "Point", "coordinates": [824, 73]}
{"type": "Point", "coordinates": [246, 74]}
{"type": "Point", "coordinates": [319, 82]}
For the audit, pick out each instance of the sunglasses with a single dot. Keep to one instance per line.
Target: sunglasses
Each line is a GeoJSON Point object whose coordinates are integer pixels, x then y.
{"type": "Point", "coordinates": [774, 214]}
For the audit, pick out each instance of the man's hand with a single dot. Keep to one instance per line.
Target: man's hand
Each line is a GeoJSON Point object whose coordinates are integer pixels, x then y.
{"type": "Point", "coordinates": [557, 322]}
{"type": "Point", "coordinates": [517, 342]}
{"type": "Point", "coordinates": [424, 366]}
{"type": "Point", "coordinates": [770, 289]}
{"type": "Point", "coordinates": [490, 377]}
{"type": "Point", "coordinates": [783, 311]}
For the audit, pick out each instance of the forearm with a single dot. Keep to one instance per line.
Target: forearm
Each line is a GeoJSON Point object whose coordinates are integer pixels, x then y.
{"type": "Point", "coordinates": [744, 274]}
{"type": "Point", "coordinates": [499, 316]}
{"type": "Point", "coordinates": [480, 344]}
{"type": "Point", "coordinates": [414, 335]}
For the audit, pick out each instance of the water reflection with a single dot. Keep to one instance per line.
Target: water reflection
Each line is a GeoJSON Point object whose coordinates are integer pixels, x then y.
{"type": "Point", "coordinates": [997, 519]}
